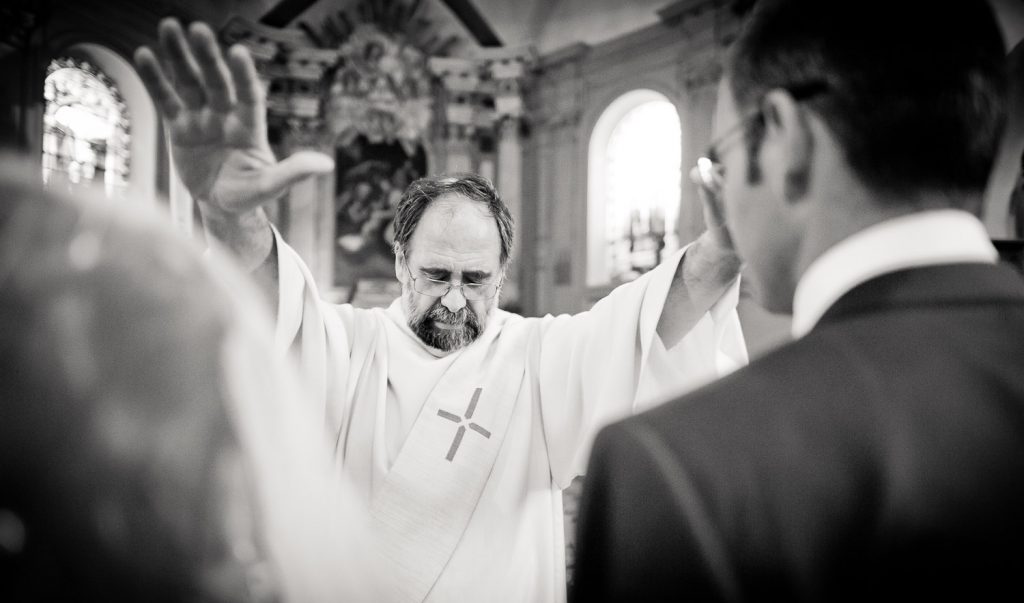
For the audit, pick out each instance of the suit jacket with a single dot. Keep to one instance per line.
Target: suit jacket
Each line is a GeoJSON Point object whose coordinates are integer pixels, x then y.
{"type": "Point", "coordinates": [881, 456]}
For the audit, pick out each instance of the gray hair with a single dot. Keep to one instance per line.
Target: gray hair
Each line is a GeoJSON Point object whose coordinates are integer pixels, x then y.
{"type": "Point", "coordinates": [425, 191]}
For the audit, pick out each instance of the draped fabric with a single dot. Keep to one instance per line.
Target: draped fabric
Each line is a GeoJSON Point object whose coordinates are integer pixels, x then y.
{"type": "Point", "coordinates": [496, 501]}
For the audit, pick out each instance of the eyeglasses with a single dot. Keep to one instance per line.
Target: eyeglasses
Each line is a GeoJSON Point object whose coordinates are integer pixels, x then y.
{"type": "Point", "coordinates": [709, 170]}
{"type": "Point", "coordinates": [471, 291]}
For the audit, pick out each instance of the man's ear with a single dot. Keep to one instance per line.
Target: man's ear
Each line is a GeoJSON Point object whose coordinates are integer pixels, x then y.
{"type": "Point", "coordinates": [790, 141]}
{"type": "Point", "coordinates": [400, 267]}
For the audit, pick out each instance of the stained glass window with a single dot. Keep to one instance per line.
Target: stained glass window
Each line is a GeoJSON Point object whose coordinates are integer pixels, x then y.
{"type": "Point", "coordinates": [85, 129]}
{"type": "Point", "coordinates": [642, 189]}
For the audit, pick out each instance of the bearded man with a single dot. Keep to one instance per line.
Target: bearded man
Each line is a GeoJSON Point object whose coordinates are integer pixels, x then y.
{"type": "Point", "coordinates": [459, 422]}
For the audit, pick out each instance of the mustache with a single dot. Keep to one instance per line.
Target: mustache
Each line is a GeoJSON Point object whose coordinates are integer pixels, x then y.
{"type": "Point", "coordinates": [465, 327]}
{"type": "Point", "coordinates": [439, 313]}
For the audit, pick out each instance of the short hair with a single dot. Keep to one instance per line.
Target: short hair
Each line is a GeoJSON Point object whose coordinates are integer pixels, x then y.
{"type": "Point", "coordinates": [421, 193]}
{"type": "Point", "coordinates": [914, 90]}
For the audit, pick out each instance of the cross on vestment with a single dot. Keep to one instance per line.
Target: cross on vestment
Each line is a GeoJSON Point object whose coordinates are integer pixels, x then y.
{"type": "Point", "coordinates": [461, 431]}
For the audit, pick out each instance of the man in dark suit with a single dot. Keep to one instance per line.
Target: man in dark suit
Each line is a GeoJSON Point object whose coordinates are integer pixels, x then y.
{"type": "Point", "coordinates": [880, 455]}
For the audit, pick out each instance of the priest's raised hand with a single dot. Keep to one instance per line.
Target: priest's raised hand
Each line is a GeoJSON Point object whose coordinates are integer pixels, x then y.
{"type": "Point", "coordinates": [214, 112]}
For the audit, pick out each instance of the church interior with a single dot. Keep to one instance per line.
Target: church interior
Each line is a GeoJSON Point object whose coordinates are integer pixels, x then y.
{"type": "Point", "coordinates": [586, 115]}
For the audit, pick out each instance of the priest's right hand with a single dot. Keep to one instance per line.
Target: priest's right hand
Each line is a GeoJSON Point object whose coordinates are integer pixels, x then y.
{"type": "Point", "coordinates": [214, 113]}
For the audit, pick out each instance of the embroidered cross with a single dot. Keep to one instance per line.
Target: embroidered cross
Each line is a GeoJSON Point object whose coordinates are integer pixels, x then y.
{"type": "Point", "coordinates": [462, 428]}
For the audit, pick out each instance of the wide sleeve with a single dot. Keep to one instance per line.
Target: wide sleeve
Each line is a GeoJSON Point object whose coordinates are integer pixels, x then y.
{"type": "Point", "coordinates": [329, 341]}
{"type": "Point", "coordinates": [601, 365]}
{"type": "Point", "coordinates": [313, 524]}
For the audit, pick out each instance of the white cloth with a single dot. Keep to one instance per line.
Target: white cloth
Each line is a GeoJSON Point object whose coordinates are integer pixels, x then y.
{"type": "Point", "coordinates": [946, 236]}
{"type": "Point", "coordinates": [546, 385]}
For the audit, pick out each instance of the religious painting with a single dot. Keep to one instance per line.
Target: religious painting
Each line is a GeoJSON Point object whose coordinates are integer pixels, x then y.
{"type": "Point", "coordinates": [371, 178]}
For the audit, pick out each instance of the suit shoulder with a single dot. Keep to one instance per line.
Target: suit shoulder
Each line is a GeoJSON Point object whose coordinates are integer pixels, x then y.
{"type": "Point", "coordinates": [769, 386]}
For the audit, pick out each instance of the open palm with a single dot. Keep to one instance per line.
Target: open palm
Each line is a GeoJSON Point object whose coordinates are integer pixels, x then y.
{"type": "Point", "coordinates": [215, 118]}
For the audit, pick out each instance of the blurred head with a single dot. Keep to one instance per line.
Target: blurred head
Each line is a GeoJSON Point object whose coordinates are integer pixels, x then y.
{"type": "Point", "coordinates": [453, 242]}
{"type": "Point", "coordinates": [142, 455]}
{"type": "Point", "coordinates": [825, 102]}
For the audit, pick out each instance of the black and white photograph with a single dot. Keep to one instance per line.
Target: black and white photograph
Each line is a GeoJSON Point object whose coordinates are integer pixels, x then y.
{"type": "Point", "coordinates": [538, 301]}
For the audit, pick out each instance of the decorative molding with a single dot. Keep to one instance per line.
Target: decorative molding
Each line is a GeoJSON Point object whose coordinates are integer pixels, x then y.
{"type": "Point", "coordinates": [377, 70]}
{"type": "Point", "coordinates": [398, 19]}
{"type": "Point", "coordinates": [508, 69]}
{"type": "Point", "coordinates": [264, 43]}
{"type": "Point", "coordinates": [381, 88]}
{"type": "Point", "coordinates": [481, 92]}
{"type": "Point", "coordinates": [502, 63]}
{"type": "Point", "coordinates": [456, 74]}
{"type": "Point", "coordinates": [367, 76]}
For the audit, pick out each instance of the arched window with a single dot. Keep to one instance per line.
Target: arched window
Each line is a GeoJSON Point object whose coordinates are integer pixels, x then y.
{"type": "Point", "coordinates": [634, 187]}
{"type": "Point", "coordinates": [85, 129]}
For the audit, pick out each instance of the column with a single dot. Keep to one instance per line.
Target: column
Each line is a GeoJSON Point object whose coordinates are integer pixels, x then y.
{"type": "Point", "coordinates": [506, 69]}
{"type": "Point", "coordinates": [460, 81]}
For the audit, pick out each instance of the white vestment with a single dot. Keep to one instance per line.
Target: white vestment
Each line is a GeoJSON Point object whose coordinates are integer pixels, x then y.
{"type": "Point", "coordinates": [462, 457]}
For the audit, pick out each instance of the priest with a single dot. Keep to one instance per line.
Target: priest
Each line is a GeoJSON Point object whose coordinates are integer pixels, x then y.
{"type": "Point", "coordinates": [460, 423]}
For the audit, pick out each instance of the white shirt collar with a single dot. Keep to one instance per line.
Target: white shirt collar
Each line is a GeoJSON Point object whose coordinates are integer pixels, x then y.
{"type": "Point", "coordinates": [947, 236]}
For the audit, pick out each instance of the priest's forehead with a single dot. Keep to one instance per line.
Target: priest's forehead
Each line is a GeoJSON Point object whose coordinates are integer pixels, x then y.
{"type": "Point", "coordinates": [456, 234]}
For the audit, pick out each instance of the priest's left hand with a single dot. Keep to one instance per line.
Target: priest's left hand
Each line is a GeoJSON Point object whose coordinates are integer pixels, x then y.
{"type": "Point", "coordinates": [709, 266]}
{"type": "Point", "coordinates": [716, 241]}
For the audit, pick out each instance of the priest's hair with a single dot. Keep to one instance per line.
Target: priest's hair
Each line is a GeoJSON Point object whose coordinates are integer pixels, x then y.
{"type": "Point", "coordinates": [421, 193]}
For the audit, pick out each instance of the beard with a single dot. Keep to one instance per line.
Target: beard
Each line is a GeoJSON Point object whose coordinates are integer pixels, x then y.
{"type": "Point", "coordinates": [461, 328]}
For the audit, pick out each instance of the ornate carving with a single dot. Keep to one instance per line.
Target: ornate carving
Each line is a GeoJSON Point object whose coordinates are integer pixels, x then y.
{"type": "Point", "coordinates": [381, 89]}
{"type": "Point", "coordinates": [461, 94]}
{"type": "Point", "coordinates": [292, 69]}
{"type": "Point", "coordinates": [264, 43]}
{"type": "Point", "coordinates": [507, 68]}
{"type": "Point", "coordinates": [295, 82]}
{"type": "Point", "coordinates": [482, 92]}
{"type": "Point", "coordinates": [397, 19]}
{"type": "Point", "coordinates": [374, 71]}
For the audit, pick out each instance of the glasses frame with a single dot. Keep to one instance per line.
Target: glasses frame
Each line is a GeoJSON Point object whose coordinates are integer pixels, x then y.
{"type": "Point", "coordinates": [709, 170]}
{"type": "Point", "coordinates": [495, 284]}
